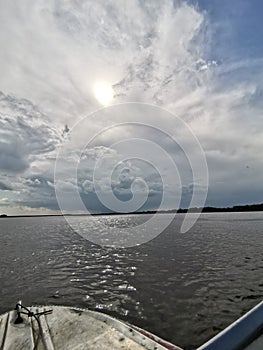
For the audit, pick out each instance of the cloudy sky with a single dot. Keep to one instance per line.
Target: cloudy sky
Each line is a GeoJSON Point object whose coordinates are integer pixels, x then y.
{"type": "Point", "coordinates": [118, 102]}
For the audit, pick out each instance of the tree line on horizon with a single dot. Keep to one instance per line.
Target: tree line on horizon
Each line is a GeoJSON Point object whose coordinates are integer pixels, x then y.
{"type": "Point", "coordinates": [236, 208]}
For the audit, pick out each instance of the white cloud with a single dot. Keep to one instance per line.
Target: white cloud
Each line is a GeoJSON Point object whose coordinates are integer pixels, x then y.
{"type": "Point", "coordinates": [24, 132]}
{"type": "Point", "coordinates": [54, 52]}
{"type": "Point", "coordinates": [62, 48]}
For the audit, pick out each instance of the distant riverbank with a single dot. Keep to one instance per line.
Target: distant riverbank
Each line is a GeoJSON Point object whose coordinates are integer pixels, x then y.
{"type": "Point", "coordinates": [234, 209]}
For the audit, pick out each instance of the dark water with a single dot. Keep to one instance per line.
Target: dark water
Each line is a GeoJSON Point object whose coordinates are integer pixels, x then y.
{"type": "Point", "coordinates": [183, 287]}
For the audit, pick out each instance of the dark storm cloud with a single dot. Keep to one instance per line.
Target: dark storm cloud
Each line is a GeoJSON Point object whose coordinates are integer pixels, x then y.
{"type": "Point", "coordinates": [5, 187]}
{"type": "Point", "coordinates": [42, 202]}
{"type": "Point", "coordinates": [93, 203]}
{"type": "Point", "coordinates": [12, 157]}
{"type": "Point", "coordinates": [40, 181]}
{"type": "Point", "coordinates": [27, 144]}
{"type": "Point", "coordinates": [25, 132]}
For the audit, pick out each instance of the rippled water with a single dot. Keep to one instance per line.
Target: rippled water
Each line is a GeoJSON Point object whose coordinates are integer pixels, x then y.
{"type": "Point", "coordinates": [183, 287]}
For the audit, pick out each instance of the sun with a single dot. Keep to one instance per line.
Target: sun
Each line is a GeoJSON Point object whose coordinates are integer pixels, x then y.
{"type": "Point", "coordinates": [103, 92]}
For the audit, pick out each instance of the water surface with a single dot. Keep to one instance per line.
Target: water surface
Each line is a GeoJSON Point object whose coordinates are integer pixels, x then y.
{"type": "Point", "coordinates": [183, 287]}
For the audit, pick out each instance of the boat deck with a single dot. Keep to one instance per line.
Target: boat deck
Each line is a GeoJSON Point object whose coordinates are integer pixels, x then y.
{"type": "Point", "coordinates": [74, 329]}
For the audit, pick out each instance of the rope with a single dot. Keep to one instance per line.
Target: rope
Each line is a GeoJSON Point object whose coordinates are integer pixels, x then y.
{"type": "Point", "coordinates": [29, 313]}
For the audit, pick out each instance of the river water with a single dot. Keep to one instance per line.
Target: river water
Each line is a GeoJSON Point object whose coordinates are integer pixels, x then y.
{"type": "Point", "coordinates": [183, 287]}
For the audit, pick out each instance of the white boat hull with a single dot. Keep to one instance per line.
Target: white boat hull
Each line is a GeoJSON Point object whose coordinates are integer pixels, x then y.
{"type": "Point", "coordinates": [244, 334]}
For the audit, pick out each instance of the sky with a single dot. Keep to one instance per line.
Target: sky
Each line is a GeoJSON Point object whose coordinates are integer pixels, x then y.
{"type": "Point", "coordinates": [130, 105]}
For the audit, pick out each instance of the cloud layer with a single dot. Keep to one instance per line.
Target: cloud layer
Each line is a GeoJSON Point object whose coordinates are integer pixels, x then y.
{"type": "Point", "coordinates": [158, 52]}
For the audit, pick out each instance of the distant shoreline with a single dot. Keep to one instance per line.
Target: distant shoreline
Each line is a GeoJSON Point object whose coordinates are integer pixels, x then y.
{"type": "Point", "coordinates": [234, 209]}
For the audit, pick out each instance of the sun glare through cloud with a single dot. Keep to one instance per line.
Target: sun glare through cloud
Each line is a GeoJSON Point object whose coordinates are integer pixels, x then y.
{"type": "Point", "coordinates": [103, 92]}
